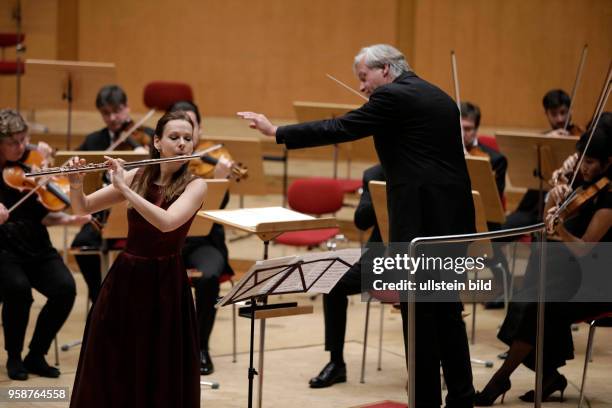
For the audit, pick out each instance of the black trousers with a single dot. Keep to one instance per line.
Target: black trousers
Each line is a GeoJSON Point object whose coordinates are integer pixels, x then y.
{"type": "Point", "coordinates": [89, 265]}
{"type": "Point", "coordinates": [47, 274]}
{"type": "Point", "coordinates": [199, 254]}
{"type": "Point", "coordinates": [441, 339]}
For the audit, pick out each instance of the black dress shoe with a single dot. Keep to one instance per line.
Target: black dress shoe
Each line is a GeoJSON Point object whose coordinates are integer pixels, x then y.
{"type": "Point", "coordinates": [37, 365]}
{"type": "Point", "coordinates": [16, 370]}
{"type": "Point", "coordinates": [206, 364]}
{"type": "Point", "coordinates": [331, 374]}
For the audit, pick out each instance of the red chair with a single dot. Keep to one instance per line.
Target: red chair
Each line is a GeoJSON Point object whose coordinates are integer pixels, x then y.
{"type": "Point", "coordinates": [488, 141]}
{"type": "Point", "coordinates": [161, 95]}
{"type": "Point", "coordinates": [11, 40]}
{"type": "Point", "coordinates": [389, 297]}
{"type": "Point", "coordinates": [605, 320]}
{"type": "Point", "coordinates": [315, 196]}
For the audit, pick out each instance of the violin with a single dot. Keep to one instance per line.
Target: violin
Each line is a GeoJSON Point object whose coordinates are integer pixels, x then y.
{"type": "Point", "coordinates": [205, 167]}
{"type": "Point", "coordinates": [477, 151]}
{"type": "Point", "coordinates": [52, 194]}
{"type": "Point", "coordinates": [579, 197]}
{"type": "Point", "coordinates": [132, 135]}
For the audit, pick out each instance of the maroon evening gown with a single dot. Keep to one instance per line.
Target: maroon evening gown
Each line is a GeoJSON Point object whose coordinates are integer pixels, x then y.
{"type": "Point", "coordinates": [140, 347]}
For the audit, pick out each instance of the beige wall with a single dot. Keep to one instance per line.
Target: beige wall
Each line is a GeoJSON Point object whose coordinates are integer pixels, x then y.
{"type": "Point", "coordinates": [39, 23]}
{"type": "Point", "coordinates": [237, 54]}
{"type": "Point", "coordinates": [510, 52]}
{"type": "Point", "coordinates": [262, 55]}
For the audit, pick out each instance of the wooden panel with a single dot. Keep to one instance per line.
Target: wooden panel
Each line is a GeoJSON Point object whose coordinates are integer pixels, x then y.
{"type": "Point", "coordinates": [39, 23]}
{"type": "Point", "coordinates": [236, 54]}
{"type": "Point", "coordinates": [511, 52]}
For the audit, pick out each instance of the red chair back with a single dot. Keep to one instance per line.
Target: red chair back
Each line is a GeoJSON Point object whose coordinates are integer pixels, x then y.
{"type": "Point", "coordinates": [488, 141]}
{"type": "Point", "coordinates": [10, 39]}
{"type": "Point", "coordinates": [315, 196]}
{"type": "Point", "coordinates": [161, 95]}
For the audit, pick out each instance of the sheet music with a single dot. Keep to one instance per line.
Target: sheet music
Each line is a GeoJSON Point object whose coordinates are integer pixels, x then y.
{"type": "Point", "coordinates": [249, 288]}
{"type": "Point", "coordinates": [250, 217]}
{"type": "Point", "coordinates": [271, 271]}
{"type": "Point", "coordinates": [330, 278]}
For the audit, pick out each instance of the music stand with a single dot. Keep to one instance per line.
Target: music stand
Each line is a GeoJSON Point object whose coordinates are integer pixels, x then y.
{"type": "Point", "coordinates": [482, 177]}
{"type": "Point", "coordinates": [93, 180]}
{"type": "Point", "coordinates": [267, 223]}
{"type": "Point", "coordinates": [55, 84]}
{"type": "Point", "coordinates": [310, 273]}
{"type": "Point", "coordinates": [310, 111]}
{"type": "Point", "coordinates": [216, 189]}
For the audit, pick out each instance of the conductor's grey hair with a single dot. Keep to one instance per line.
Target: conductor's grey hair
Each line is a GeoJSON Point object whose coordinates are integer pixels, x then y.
{"type": "Point", "coordinates": [379, 55]}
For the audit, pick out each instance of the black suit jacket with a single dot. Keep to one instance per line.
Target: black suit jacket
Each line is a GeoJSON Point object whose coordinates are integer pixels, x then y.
{"type": "Point", "coordinates": [499, 163]}
{"type": "Point", "coordinates": [365, 216]}
{"type": "Point", "coordinates": [418, 140]}
{"type": "Point", "coordinates": [101, 140]}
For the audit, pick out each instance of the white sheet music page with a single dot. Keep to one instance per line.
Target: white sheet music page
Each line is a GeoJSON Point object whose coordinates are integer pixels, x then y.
{"type": "Point", "coordinates": [331, 276]}
{"type": "Point", "coordinates": [250, 217]}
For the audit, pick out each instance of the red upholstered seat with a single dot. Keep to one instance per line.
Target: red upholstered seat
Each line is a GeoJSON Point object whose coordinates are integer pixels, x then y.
{"type": "Point", "coordinates": [315, 196]}
{"type": "Point", "coordinates": [11, 67]}
{"type": "Point", "coordinates": [350, 185]}
{"type": "Point", "coordinates": [488, 141]}
{"type": "Point", "coordinates": [161, 95]}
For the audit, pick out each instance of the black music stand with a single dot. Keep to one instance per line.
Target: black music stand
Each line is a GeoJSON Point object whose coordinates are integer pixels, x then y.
{"type": "Point", "coordinates": [313, 272]}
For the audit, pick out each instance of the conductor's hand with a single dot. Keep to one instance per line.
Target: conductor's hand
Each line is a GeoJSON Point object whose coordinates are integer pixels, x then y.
{"type": "Point", "coordinates": [117, 173]}
{"type": "Point", "coordinates": [76, 179]}
{"type": "Point", "coordinates": [4, 214]}
{"type": "Point", "coordinates": [259, 122]}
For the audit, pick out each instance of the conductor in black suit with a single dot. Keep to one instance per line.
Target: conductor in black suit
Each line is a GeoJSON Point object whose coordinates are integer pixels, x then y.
{"type": "Point", "coordinates": [416, 133]}
{"type": "Point", "coordinates": [111, 102]}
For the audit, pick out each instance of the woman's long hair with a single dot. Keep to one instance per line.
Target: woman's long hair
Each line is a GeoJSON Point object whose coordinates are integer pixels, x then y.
{"type": "Point", "coordinates": [148, 174]}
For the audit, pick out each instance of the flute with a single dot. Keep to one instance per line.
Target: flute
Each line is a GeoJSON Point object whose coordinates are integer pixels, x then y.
{"type": "Point", "coordinates": [88, 168]}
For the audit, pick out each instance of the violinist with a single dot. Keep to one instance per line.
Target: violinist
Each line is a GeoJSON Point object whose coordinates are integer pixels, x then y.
{"type": "Point", "coordinates": [28, 260]}
{"type": "Point", "coordinates": [111, 102]}
{"type": "Point", "coordinates": [556, 104]}
{"type": "Point", "coordinates": [556, 107]}
{"type": "Point", "coordinates": [207, 254]}
{"type": "Point", "coordinates": [591, 223]}
{"type": "Point", "coordinates": [470, 121]}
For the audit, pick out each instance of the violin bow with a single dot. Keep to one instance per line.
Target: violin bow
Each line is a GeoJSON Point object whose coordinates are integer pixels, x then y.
{"type": "Point", "coordinates": [601, 95]}
{"type": "Point", "coordinates": [346, 86]}
{"type": "Point", "coordinates": [585, 49]}
{"type": "Point", "coordinates": [457, 97]}
{"type": "Point", "coordinates": [600, 109]}
{"type": "Point", "coordinates": [127, 134]}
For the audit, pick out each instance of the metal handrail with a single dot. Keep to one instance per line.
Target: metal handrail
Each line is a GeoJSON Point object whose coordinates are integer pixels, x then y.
{"type": "Point", "coordinates": [410, 350]}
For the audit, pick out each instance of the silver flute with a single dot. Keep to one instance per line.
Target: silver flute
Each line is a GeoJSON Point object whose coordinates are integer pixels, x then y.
{"type": "Point", "coordinates": [88, 168]}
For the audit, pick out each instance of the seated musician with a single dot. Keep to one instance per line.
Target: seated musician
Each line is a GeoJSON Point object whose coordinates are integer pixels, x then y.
{"type": "Point", "coordinates": [470, 121]}
{"type": "Point", "coordinates": [208, 254]}
{"type": "Point", "coordinates": [556, 107]}
{"type": "Point", "coordinates": [591, 223]}
{"type": "Point", "coordinates": [28, 260]}
{"type": "Point", "coordinates": [336, 302]}
{"type": "Point", "coordinates": [556, 104]}
{"type": "Point", "coordinates": [111, 102]}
